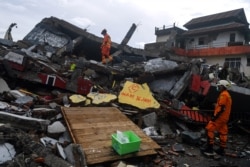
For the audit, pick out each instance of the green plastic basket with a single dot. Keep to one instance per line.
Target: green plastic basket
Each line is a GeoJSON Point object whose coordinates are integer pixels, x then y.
{"type": "Point", "coordinates": [124, 148]}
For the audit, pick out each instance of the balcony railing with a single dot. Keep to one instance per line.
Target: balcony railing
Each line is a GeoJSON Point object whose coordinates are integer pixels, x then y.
{"type": "Point", "coordinates": [215, 45]}
{"type": "Point", "coordinates": [216, 51]}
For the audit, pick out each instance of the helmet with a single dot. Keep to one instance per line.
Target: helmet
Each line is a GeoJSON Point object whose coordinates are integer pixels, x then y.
{"type": "Point", "coordinates": [104, 31]}
{"type": "Point", "coordinates": [224, 83]}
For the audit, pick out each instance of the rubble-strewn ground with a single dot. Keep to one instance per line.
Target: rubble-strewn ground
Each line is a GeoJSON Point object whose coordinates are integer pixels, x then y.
{"type": "Point", "coordinates": [176, 150]}
{"type": "Point", "coordinates": [189, 155]}
{"type": "Point", "coordinates": [170, 131]}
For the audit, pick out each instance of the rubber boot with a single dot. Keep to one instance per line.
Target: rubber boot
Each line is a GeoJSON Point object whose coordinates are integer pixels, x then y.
{"type": "Point", "coordinates": [208, 150]}
{"type": "Point", "coordinates": [110, 58]}
{"type": "Point", "coordinates": [220, 151]}
{"type": "Point", "coordinates": [103, 60]}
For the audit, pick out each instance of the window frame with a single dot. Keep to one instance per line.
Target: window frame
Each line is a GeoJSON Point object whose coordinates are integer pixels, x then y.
{"type": "Point", "coordinates": [234, 62]}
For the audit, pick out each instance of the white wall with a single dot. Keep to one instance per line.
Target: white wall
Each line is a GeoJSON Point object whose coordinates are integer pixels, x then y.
{"type": "Point", "coordinates": [221, 40]}
{"type": "Point", "coordinates": [220, 60]}
{"type": "Point", "coordinates": [244, 66]}
{"type": "Point", "coordinates": [162, 38]}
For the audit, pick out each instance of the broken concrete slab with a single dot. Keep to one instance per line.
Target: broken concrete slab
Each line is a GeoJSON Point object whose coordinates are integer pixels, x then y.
{"type": "Point", "coordinates": [190, 137]}
{"type": "Point", "coordinates": [101, 98]}
{"type": "Point", "coordinates": [159, 65]}
{"type": "Point", "coordinates": [23, 122]}
{"type": "Point", "coordinates": [3, 86]}
{"type": "Point", "coordinates": [7, 43]}
{"type": "Point", "coordinates": [7, 152]}
{"type": "Point", "coordinates": [56, 127]}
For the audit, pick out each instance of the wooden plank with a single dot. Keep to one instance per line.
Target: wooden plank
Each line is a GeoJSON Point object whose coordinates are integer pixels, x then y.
{"type": "Point", "coordinates": [92, 127]}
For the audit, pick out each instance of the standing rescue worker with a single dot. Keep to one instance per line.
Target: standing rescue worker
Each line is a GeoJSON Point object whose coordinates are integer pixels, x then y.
{"type": "Point", "coordinates": [106, 46]}
{"type": "Point", "coordinates": [223, 74]}
{"type": "Point", "coordinates": [219, 120]}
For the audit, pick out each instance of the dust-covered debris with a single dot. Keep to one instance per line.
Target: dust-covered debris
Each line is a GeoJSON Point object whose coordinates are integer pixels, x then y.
{"type": "Point", "coordinates": [58, 64]}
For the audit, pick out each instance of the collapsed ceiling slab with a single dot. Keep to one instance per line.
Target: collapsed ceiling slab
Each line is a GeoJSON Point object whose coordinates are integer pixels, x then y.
{"type": "Point", "coordinates": [59, 33]}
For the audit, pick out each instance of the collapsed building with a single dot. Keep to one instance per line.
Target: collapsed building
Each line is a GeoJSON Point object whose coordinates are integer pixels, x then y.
{"type": "Point", "coordinates": [59, 55]}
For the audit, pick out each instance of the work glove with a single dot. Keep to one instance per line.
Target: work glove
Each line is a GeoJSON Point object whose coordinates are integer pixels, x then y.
{"type": "Point", "coordinates": [213, 118]}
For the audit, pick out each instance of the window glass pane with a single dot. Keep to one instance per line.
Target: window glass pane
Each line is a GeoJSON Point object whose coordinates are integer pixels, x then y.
{"type": "Point", "coordinates": [232, 37]}
{"type": "Point", "coordinates": [233, 62]}
{"type": "Point", "coordinates": [201, 41]}
{"type": "Point", "coordinates": [248, 61]}
{"type": "Point", "coordinates": [237, 64]}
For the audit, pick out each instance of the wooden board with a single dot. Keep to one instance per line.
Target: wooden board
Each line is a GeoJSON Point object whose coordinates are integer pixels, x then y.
{"type": "Point", "coordinates": [92, 127]}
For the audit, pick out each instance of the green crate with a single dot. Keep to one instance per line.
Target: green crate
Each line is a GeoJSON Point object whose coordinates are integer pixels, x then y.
{"type": "Point", "coordinates": [124, 148]}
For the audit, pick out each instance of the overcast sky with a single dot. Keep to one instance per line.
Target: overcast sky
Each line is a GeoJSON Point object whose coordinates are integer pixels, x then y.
{"type": "Point", "coordinates": [116, 16]}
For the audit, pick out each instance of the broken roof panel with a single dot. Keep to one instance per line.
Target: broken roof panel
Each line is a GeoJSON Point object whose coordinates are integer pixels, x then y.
{"type": "Point", "coordinates": [57, 32]}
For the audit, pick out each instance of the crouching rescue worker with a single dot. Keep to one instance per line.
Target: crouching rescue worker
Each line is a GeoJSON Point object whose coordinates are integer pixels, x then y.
{"type": "Point", "coordinates": [219, 120]}
{"type": "Point", "coordinates": [106, 46]}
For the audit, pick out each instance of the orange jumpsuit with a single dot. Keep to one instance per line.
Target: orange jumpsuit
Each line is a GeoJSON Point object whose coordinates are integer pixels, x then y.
{"type": "Point", "coordinates": [105, 48]}
{"type": "Point", "coordinates": [222, 112]}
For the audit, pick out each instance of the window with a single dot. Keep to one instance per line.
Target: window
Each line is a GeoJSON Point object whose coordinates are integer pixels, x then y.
{"type": "Point", "coordinates": [232, 37]}
{"type": "Point", "coordinates": [201, 41]}
{"type": "Point", "coordinates": [233, 62]}
{"type": "Point", "coordinates": [248, 60]}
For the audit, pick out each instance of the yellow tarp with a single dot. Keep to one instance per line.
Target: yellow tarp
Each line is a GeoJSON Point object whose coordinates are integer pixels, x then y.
{"type": "Point", "coordinates": [137, 95]}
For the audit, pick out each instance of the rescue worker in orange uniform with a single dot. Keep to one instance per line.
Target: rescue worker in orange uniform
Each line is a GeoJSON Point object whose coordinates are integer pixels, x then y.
{"type": "Point", "coordinates": [219, 120]}
{"type": "Point", "coordinates": [106, 46]}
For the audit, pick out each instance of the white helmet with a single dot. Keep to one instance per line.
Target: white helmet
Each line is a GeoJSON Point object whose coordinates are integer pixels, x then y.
{"type": "Point", "coordinates": [224, 83]}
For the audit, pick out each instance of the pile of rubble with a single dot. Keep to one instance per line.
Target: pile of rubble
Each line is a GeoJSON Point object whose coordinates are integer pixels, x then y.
{"type": "Point", "coordinates": [34, 133]}
{"type": "Point", "coordinates": [57, 65]}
